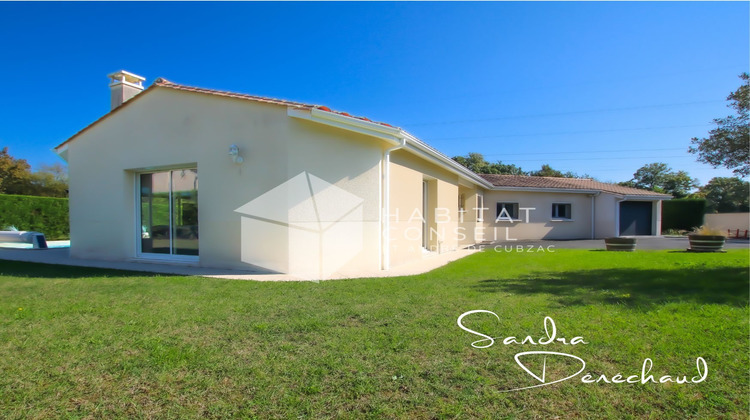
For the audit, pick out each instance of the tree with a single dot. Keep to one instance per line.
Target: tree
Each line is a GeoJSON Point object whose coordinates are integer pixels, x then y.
{"type": "Point", "coordinates": [58, 171]}
{"type": "Point", "coordinates": [507, 169]}
{"type": "Point", "coordinates": [16, 178]}
{"type": "Point", "coordinates": [679, 184]}
{"type": "Point", "coordinates": [726, 195]}
{"type": "Point", "coordinates": [549, 171]}
{"type": "Point", "coordinates": [727, 144]}
{"type": "Point", "coordinates": [14, 173]}
{"type": "Point", "coordinates": [659, 177]}
{"type": "Point", "coordinates": [49, 181]}
{"type": "Point", "coordinates": [650, 176]}
{"type": "Point", "coordinates": [476, 163]}
{"type": "Point", "coordinates": [45, 184]}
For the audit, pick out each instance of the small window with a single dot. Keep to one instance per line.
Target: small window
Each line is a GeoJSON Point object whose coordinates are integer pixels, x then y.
{"type": "Point", "coordinates": [511, 209]}
{"type": "Point", "coordinates": [461, 203]}
{"type": "Point", "coordinates": [561, 211]}
{"type": "Point", "coordinates": [480, 208]}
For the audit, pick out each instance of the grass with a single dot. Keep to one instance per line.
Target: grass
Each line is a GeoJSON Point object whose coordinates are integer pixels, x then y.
{"type": "Point", "coordinates": [89, 343]}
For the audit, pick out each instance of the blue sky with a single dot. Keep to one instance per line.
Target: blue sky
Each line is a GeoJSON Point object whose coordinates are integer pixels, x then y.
{"type": "Point", "coordinates": [596, 88]}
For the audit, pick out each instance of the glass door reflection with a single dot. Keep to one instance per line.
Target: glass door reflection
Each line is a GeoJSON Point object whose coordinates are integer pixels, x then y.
{"type": "Point", "coordinates": [169, 212]}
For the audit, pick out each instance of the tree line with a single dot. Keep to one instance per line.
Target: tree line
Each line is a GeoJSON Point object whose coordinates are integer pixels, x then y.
{"type": "Point", "coordinates": [16, 177]}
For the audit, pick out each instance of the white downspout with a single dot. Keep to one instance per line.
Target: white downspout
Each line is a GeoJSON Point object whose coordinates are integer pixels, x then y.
{"type": "Point", "coordinates": [386, 242]}
{"type": "Point", "coordinates": [593, 214]}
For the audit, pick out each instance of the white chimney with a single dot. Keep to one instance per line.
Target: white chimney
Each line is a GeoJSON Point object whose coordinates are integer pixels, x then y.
{"type": "Point", "coordinates": [123, 86]}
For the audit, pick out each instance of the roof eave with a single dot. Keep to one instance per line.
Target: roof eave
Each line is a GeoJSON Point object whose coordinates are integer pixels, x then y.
{"type": "Point", "coordinates": [63, 147]}
{"type": "Point", "coordinates": [390, 134]}
{"type": "Point", "coordinates": [443, 160]}
{"type": "Point", "coordinates": [632, 197]}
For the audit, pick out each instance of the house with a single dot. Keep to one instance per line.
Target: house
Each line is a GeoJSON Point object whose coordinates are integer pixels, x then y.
{"type": "Point", "coordinates": [187, 175]}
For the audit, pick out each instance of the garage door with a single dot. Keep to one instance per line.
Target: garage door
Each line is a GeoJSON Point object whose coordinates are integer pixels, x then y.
{"type": "Point", "coordinates": [635, 218]}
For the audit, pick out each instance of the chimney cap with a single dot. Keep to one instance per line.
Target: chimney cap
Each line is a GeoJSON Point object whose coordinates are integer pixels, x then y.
{"type": "Point", "coordinates": [126, 77]}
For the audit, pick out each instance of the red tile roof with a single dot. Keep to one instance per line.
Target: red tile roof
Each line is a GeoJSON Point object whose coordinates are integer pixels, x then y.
{"type": "Point", "coordinates": [164, 83]}
{"type": "Point", "coordinates": [522, 181]}
{"type": "Point", "coordinates": [161, 82]}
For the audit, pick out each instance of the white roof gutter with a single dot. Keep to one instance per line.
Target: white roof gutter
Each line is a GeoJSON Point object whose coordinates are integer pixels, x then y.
{"type": "Point", "coordinates": [422, 148]}
{"type": "Point", "coordinates": [643, 197]}
{"type": "Point", "coordinates": [394, 135]}
{"type": "Point", "coordinates": [391, 134]}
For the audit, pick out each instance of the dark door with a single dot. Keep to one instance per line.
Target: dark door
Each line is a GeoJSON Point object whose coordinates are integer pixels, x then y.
{"type": "Point", "coordinates": [635, 218]}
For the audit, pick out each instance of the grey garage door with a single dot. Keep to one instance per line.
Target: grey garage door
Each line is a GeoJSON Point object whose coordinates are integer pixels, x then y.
{"type": "Point", "coordinates": [635, 218]}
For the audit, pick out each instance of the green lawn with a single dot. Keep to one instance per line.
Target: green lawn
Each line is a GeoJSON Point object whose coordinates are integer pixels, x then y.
{"type": "Point", "coordinates": [83, 343]}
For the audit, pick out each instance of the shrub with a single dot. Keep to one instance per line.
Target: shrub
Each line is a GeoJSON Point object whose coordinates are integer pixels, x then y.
{"type": "Point", "coordinates": [709, 231]}
{"type": "Point", "coordinates": [683, 214]}
{"type": "Point", "coordinates": [40, 214]}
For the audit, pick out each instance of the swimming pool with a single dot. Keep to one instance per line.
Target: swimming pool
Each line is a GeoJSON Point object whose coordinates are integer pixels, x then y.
{"type": "Point", "coordinates": [50, 244]}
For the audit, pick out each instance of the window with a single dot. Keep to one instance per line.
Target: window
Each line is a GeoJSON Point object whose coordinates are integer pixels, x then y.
{"type": "Point", "coordinates": [561, 211]}
{"type": "Point", "coordinates": [511, 209]}
{"type": "Point", "coordinates": [480, 209]}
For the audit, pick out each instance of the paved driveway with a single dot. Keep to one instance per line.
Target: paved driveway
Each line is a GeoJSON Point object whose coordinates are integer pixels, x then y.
{"type": "Point", "coordinates": [642, 243]}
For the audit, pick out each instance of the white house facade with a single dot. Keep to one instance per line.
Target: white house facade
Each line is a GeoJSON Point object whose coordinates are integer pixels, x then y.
{"type": "Point", "coordinates": [186, 175]}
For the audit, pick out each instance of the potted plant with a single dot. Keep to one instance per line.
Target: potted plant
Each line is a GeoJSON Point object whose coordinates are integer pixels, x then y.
{"type": "Point", "coordinates": [706, 239]}
{"type": "Point", "coordinates": [620, 244]}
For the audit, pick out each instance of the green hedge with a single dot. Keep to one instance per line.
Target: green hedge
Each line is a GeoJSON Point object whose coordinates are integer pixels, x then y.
{"type": "Point", "coordinates": [40, 214]}
{"type": "Point", "coordinates": [683, 214]}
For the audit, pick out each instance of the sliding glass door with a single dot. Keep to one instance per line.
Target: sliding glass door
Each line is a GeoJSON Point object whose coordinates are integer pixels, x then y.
{"type": "Point", "coordinates": [169, 213]}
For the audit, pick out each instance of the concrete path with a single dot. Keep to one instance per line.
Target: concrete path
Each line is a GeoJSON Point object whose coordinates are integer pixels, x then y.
{"type": "Point", "coordinates": [428, 263]}
{"type": "Point", "coordinates": [61, 256]}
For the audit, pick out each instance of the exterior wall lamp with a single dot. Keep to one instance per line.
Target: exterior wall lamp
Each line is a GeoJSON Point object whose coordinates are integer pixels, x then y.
{"type": "Point", "coordinates": [234, 154]}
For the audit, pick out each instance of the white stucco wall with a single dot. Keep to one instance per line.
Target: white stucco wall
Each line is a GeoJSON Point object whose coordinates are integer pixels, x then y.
{"type": "Point", "coordinates": [166, 128]}
{"type": "Point", "coordinates": [724, 221]}
{"type": "Point", "coordinates": [468, 221]}
{"type": "Point", "coordinates": [540, 224]}
{"type": "Point", "coordinates": [407, 174]}
{"type": "Point", "coordinates": [606, 216]}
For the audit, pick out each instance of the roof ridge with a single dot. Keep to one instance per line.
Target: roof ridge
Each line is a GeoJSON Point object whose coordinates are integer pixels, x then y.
{"type": "Point", "coordinates": [266, 99]}
{"type": "Point", "coordinates": [228, 93]}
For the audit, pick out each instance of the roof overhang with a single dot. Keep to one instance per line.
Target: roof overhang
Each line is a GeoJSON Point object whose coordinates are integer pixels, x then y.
{"type": "Point", "coordinates": [390, 134]}
{"type": "Point", "coordinates": [62, 148]}
{"type": "Point", "coordinates": [62, 151]}
{"type": "Point", "coordinates": [644, 197]}
{"type": "Point", "coordinates": [393, 135]}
